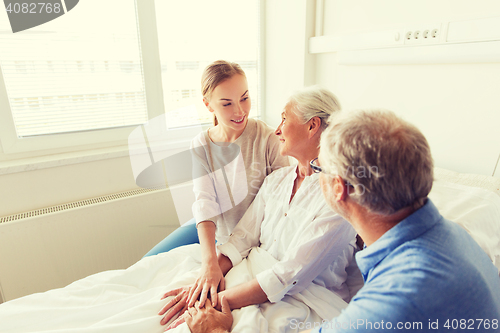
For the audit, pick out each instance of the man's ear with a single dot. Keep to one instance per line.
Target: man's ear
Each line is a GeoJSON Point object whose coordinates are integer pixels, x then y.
{"type": "Point", "coordinates": [340, 188]}
{"type": "Point", "coordinates": [314, 126]}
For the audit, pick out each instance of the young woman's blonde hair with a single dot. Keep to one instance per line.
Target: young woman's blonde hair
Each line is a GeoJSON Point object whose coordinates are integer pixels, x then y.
{"type": "Point", "coordinates": [214, 74]}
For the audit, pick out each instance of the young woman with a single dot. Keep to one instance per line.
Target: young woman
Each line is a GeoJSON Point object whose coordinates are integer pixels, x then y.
{"type": "Point", "coordinates": [234, 157]}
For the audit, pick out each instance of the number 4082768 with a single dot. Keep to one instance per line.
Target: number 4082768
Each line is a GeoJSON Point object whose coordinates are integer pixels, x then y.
{"type": "Point", "coordinates": [471, 324]}
{"type": "Point", "coordinates": [34, 8]}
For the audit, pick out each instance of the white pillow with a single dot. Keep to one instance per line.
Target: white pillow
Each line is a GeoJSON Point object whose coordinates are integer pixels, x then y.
{"type": "Point", "coordinates": [475, 209]}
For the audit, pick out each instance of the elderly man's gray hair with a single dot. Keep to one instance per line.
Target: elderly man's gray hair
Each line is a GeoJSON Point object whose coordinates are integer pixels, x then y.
{"type": "Point", "coordinates": [386, 159]}
{"type": "Point", "coordinates": [314, 101]}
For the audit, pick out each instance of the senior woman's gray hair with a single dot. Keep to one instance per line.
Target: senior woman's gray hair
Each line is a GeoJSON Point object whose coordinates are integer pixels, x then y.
{"type": "Point", "coordinates": [386, 159]}
{"type": "Point", "coordinates": [314, 101]}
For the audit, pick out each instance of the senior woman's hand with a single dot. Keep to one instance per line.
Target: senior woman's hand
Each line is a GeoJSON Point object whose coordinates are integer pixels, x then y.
{"type": "Point", "coordinates": [207, 319]}
{"type": "Point", "coordinates": [178, 304]}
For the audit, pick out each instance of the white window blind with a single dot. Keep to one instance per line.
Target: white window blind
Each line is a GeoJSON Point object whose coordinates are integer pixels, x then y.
{"type": "Point", "coordinates": [79, 72]}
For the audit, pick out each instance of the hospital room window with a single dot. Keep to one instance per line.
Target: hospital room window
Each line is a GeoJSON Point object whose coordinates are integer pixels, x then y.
{"type": "Point", "coordinates": [194, 33]}
{"type": "Point", "coordinates": [53, 79]}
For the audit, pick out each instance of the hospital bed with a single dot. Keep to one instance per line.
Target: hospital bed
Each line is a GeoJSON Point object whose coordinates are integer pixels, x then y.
{"type": "Point", "coordinates": [128, 300]}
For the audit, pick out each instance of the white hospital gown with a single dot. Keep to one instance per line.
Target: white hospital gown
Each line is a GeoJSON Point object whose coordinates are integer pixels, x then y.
{"type": "Point", "coordinates": [311, 242]}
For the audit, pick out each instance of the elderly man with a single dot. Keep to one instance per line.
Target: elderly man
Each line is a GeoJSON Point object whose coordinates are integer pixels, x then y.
{"type": "Point", "coordinates": [421, 272]}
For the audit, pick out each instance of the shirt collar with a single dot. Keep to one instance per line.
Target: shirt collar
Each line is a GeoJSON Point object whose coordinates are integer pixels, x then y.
{"type": "Point", "coordinates": [410, 228]}
{"type": "Point", "coordinates": [292, 174]}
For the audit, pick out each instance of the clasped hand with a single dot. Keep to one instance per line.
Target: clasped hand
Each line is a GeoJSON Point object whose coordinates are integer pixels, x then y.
{"type": "Point", "coordinates": [209, 281]}
{"type": "Point", "coordinates": [206, 316]}
{"type": "Point", "coordinates": [206, 319]}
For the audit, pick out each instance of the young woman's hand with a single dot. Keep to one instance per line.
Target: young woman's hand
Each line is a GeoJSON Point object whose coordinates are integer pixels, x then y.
{"type": "Point", "coordinates": [178, 304]}
{"type": "Point", "coordinates": [208, 282]}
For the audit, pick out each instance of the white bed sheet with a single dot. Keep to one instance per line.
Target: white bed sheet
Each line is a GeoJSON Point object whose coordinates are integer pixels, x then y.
{"type": "Point", "coordinates": [129, 300]}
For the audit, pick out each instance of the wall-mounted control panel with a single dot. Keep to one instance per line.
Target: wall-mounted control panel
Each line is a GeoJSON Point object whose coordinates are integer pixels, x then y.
{"type": "Point", "coordinates": [437, 33]}
{"type": "Point", "coordinates": [467, 41]}
{"type": "Point", "coordinates": [422, 35]}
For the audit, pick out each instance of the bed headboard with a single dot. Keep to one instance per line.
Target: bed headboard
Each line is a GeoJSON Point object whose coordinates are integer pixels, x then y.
{"type": "Point", "coordinates": [468, 179]}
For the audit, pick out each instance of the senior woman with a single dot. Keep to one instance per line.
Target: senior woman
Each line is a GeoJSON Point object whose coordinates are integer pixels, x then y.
{"type": "Point", "coordinates": [289, 219]}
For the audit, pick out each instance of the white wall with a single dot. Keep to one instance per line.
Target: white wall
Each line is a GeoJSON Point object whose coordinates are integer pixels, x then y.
{"type": "Point", "coordinates": [289, 66]}
{"type": "Point", "coordinates": [455, 105]}
{"type": "Point", "coordinates": [48, 186]}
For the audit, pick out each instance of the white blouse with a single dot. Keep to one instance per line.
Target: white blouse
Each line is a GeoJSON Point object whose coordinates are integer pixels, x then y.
{"type": "Point", "coordinates": [311, 242]}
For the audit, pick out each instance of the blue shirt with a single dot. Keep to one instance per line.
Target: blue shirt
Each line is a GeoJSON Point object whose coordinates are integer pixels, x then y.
{"type": "Point", "coordinates": [426, 274]}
